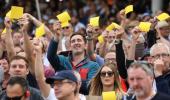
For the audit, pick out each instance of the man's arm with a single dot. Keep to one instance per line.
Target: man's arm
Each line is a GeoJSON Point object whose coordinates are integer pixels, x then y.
{"type": "Point", "coordinates": [38, 24]}
{"type": "Point", "coordinates": [8, 39]}
{"type": "Point", "coordinates": [28, 47]}
{"type": "Point", "coordinates": [39, 73]}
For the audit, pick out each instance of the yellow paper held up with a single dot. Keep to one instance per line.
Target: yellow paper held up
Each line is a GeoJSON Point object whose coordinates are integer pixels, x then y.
{"type": "Point", "coordinates": [112, 26]}
{"type": "Point", "coordinates": [8, 14]}
{"type": "Point", "coordinates": [128, 9]}
{"type": "Point", "coordinates": [64, 17]}
{"type": "Point", "coordinates": [163, 16]}
{"type": "Point", "coordinates": [64, 24]}
{"type": "Point", "coordinates": [101, 39]}
{"type": "Point", "coordinates": [109, 95]}
{"type": "Point", "coordinates": [16, 12]}
{"type": "Point", "coordinates": [94, 21]}
{"type": "Point", "coordinates": [40, 31]}
{"type": "Point", "coordinates": [144, 26]}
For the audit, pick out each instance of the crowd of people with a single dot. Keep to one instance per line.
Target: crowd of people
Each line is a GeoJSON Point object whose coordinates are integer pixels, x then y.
{"type": "Point", "coordinates": [71, 63]}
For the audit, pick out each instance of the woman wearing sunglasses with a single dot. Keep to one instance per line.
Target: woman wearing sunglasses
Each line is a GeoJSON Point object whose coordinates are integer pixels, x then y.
{"type": "Point", "coordinates": [107, 79]}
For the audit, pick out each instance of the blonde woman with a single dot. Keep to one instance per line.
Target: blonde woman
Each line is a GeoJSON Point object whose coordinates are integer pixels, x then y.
{"type": "Point", "coordinates": [107, 79]}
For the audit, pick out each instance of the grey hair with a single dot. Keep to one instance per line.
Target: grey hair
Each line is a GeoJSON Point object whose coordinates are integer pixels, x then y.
{"type": "Point", "coordinates": [159, 45]}
{"type": "Point", "coordinates": [144, 66]}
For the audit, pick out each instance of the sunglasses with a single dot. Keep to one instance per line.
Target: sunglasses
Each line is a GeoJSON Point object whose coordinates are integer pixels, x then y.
{"type": "Point", "coordinates": [13, 98]}
{"type": "Point", "coordinates": [104, 74]}
{"type": "Point", "coordinates": [65, 27]}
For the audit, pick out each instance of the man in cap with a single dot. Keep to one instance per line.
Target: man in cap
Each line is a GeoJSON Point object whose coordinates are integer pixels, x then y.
{"type": "Point", "coordinates": [65, 85]}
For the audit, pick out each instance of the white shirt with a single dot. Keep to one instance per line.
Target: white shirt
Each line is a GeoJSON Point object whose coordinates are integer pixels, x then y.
{"type": "Point", "coordinates": [52, 96]}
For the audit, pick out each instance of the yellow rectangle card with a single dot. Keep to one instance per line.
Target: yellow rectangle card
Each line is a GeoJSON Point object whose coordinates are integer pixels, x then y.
{"type": "Point", "coordinates": [144, 26]}
{"type": "Point", "coordinates": [16, 12]}
{"type": "Point", "coordinates": [109, 95]}
{"type": "Point", "coordinates": [94, 21]}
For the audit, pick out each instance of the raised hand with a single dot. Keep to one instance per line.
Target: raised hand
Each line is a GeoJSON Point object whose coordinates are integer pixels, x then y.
{"type": "Point", "coordinates": [23, 22]}
{"type": "Point", "coordinates": [57, 28]}
{"type": "Point", "coordinates": [158, 67]}
{"type": "Point", "coordinates": [135, 33]}
{"type": "Point", "coordinates": [8, 23]}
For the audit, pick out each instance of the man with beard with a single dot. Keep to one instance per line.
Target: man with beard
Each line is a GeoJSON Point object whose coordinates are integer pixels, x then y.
{"type": "Point", "coordinates": [140, 78]}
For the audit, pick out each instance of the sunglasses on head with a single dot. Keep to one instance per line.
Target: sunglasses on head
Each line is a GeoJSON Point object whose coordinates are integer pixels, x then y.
{"type": "Point", "coordinates": [104, 74]}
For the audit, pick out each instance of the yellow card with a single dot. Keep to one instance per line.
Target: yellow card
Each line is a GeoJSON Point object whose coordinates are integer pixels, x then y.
{"type": "Point", "coordinates": [64, 17]}
{"type": "Point", "coordinates": [128, 9]}
{"type": "Point", "coordinates": [101, 39]}
{"type": "Point", "coordinates": [110, 27]}
{"type": "Point", "coordinates": [163, 16]}
{"type": "Point", "coordinates": [109, 95]}
{"type": "Point", "coordinates": [144, 26]}
{"type": "Point", "coordinates": [16, 12]}
{"type": "Point", "coordinates": [94, 21]}
{"type": "Point", "coordinates": [8, 14]}
{"type": "Point", "coordinates": [64, 24]}
{"type": "Point", "coordinates": [40, 31]}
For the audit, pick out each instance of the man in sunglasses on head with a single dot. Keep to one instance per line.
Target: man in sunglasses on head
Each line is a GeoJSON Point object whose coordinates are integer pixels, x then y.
{"type": "Point", "coordinates": [65, 32]}
{"type": "Point", "coordinates": [160, 56]}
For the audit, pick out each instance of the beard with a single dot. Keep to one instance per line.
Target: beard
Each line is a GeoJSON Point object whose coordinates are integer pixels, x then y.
{"type": "Point", "coordinates": [139, 93]}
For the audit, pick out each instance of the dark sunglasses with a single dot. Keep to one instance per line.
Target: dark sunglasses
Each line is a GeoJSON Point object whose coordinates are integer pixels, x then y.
{"type": "Point", "coordinates": [104, 74]}
{"type": "Point", "coordinates": [65, 27]}
{"type": "Point", "coordinates": [14, 98]}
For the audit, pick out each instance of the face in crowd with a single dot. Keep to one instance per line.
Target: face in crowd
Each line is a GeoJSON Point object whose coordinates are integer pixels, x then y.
{"type": "Point", "coordinates": [161, 52]}
{"type": "Point", "coordinates": [77, 44]}
{"type": "Point", "coordinates": [67, 30]}
{"type": "Point", "coordinates": [107, 76]}
{"type": "Point", "coordinates": [16, 89]}
{"type": "Point", "coordinates": [16, 38]}
{"type": "Point", "coordinates": [4, 64]}
{"type": "Point", "coordinates": [140, 79]}
{"type": "Point", "coordinates": [18, 67]}
{"type": "Point", "coordinates": [110, 57]}
{"type": "Point", "coordinates": [63, 88]}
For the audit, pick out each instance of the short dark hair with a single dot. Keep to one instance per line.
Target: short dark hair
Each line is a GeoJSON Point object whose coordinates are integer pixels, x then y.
{"type": "Point", "coordinates": [19, 80]}
{"type": "Point", "coordinates": [77, 33]}
{"type": "Point", "coordinates": [17, 57]}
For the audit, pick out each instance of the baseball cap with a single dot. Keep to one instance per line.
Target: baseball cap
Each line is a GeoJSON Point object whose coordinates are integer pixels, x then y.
{"type": "Point", "coordinates": [62, 75]}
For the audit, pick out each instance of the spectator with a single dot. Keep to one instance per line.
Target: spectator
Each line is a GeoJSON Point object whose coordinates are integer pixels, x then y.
{"type": "Point", "coordinates": [17, 89]}
{"type": "Point", "coordinates": [77, 61]}
{"type": "Point", "coordinates": [140, 73]}
{"type": "Point", "coordinates": [160, 60]}
{"type": "Point", "coordinates": [107, 79]}
{"type": "Point", "coordinates": [46, 90]}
